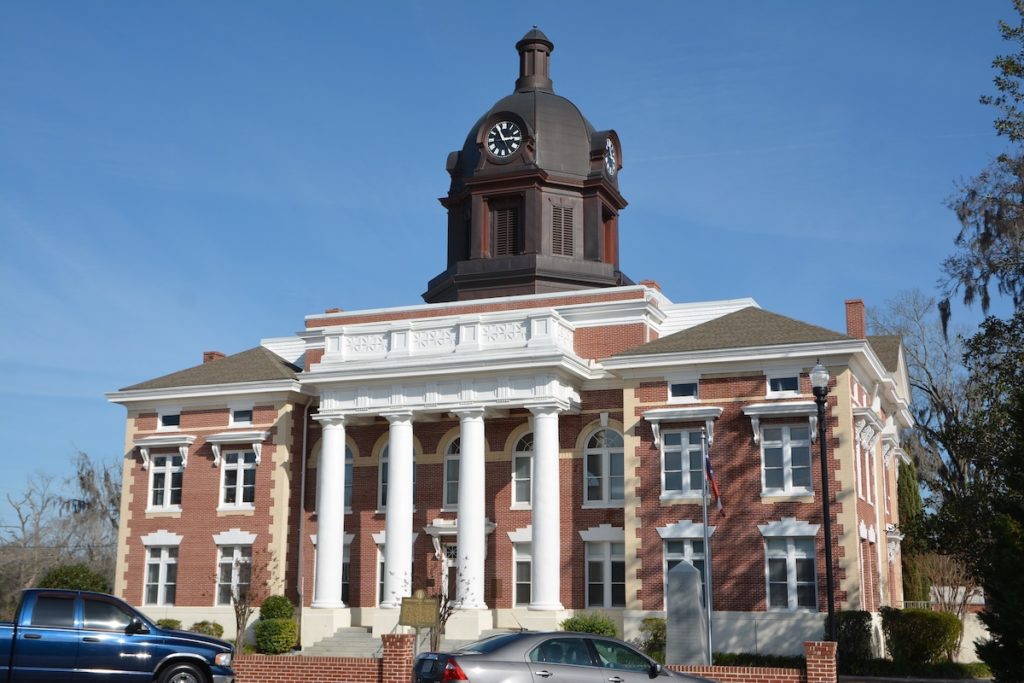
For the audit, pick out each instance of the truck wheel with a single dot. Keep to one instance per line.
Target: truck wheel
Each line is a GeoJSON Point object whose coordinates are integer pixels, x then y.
{"type": "Point", "coordinates": [182, 673]}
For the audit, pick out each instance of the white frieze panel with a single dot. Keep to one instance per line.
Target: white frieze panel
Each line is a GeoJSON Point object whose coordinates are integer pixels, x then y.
{"type": "Point", "coordinates": [465, 335]}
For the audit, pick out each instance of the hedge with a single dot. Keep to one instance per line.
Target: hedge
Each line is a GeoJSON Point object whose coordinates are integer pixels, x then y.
{"type": "Point", "coordinates": [919, 636]}
{"type": "Point", "coordinates": [207, 628]}
{"type": "Point", "coordinates": [277, 607]}
{"type": "Point", "coordinates": [274, 636]}
{"type": "Point", "coordinates": [590, 622]}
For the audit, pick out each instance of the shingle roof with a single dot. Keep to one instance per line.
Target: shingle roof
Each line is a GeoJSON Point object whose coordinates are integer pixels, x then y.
{"type": "Point", "coordinates": [254, 365]}
{"type": "Point", "coordinates": [887, 348]}
{"type": "Point", "coordinates": [744, 328]}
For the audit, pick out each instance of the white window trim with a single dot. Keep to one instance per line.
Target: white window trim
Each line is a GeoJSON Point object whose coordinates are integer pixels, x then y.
{"type": "Point", "coordinates": [707, 414]}
{"type": "Point", "coordinates": [346, 558]}
{"type": "Point", "coordinates": [161, 583]}
{"type": "Point", "coordinates": [447, 504]}
{"type": "Point", "coordinates": [789, 526]}
{"type": "Point", "coordinates": [517, 557]}
{"type": "Point", "coordinates": [688, 378]}
{"type": "Point", "coordinates": [788, 489]}
{"type": "Point", "coordinates": [604, 533]}
{"type": "Point", "coordinates": [223, 506]}
{"type": "Point", "coordinates": [520, 505]}
{"type": "Point", "coordinates": [350, 472]}
{"type": "Point", "coordinates": [606, 476]}
{"type": "Point", "coordinates": [383, 457]}
{"type": "Point", "coordinates": [161, 537]}
{"type": "Point", "coordinates": [169, 473]}
{"type": "Point", "coordinates": [253, 438]}
{"type": "Point", "coordinates": [235, 563]}
{"type": "Point", "coordinates": [756, 411]}
{"type": "Point", "coordinates": [232, 407]}
{"type": "Point", "coordinates": [607, 559]}
{"type": "Point", "coordinates": [791, 584]}
{"type": "Point", "coordinates": [148, 443]}
{"type": "Point", "coordinates": [781, 373]}
{"type": "Point", "coordinates": [234, 537]}
{"type": "Point", "coordinates": [686, 493]}
{"type": "Point", "coordinates": [167, 411]}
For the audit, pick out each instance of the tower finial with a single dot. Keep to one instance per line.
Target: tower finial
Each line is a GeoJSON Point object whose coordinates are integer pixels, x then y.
{"type": "Point", "coordinates": [534, 61]}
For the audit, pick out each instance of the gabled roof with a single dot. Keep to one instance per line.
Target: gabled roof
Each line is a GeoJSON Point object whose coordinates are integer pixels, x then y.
{"type": "Point", "coordinates": [887, 348]}
{"type": "Point", "coordinates": [747, 327]}
{"type": "Point", "coordinates": [254, 365]}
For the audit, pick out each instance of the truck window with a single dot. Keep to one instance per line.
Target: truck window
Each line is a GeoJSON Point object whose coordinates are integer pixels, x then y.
{"type": "Point", "coordinates": [104, 616]}
{"type": "Point", "coordinates": [53, 611]}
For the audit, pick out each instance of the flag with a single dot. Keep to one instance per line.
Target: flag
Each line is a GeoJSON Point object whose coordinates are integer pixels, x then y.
{"type": "Point", "coordinates": [713, 481]}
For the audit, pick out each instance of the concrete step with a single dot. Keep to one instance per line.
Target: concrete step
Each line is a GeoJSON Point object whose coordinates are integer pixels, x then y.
{"type": "Point", "coordinates": [355, 641]}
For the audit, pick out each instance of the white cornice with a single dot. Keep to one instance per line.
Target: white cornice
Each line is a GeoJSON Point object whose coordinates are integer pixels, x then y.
{"type": "Point", "coordinates": [806, 353]}
{"type": "Point", "coordinates": [268, 389]}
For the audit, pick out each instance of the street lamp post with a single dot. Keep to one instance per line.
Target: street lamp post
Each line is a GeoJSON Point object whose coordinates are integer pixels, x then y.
{"type": "Point", "coordinates": [819, 383]}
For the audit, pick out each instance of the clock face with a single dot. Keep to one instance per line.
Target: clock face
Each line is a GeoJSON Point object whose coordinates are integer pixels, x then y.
{"type": "Point", "coordinates": [610, 162]}
{"type": "Point", "coordinates": [504, 139]}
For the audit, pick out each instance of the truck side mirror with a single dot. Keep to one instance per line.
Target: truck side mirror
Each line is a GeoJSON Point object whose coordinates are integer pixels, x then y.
{"type": "Point", "coordinates": [136, 626]}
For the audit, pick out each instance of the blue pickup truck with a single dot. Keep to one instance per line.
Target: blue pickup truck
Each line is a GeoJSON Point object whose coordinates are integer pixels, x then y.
{"type": "Point", "coordinates": [77, 637]}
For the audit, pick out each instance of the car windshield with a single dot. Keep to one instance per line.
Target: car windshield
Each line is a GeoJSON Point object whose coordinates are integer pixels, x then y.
{"type": "Point", "coordinates": [490, 644]}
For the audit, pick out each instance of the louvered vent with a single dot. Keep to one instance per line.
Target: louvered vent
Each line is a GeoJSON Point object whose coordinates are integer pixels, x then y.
{"type": "Point", "coordinates": [506, 231]}
{"type": "Point", "coordinates": [561, 231]}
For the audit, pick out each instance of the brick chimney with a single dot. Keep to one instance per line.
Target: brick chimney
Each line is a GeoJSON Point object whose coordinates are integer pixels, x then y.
{"type": "Point", "coordinates": [653, 284]}
{"type": "Point", "coordinates": [211, 356]}
{"type": "Point", "coordinates": [855, 319]}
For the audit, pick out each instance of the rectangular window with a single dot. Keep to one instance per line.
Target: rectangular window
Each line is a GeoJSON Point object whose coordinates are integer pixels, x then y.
{"type": "Point", "coordinates": [346, 572]}
{"type": "Point", "coordinates": [161, 575]}
{"type": "Point", "coordinates": [170, 420]}
{"type": "Point", "coordinates": [241, 418]}
{"type": "Point", "coordinates": [561, 230]}
{"type": "Point", "coordinates": [792, 579]}
{"type": "Point", "coordinates": [522, 554]}
{"type": "Point", "coordinates": [165, 481]}
{"type": "Point", "coordinates": [234, 570]}
{"type": "Point", "coordinates": [239, 475]}
{"type": "Point", "coordinates": [683, 390]}
{"type": "Point", "coordinates": [784, 385]}
{"type": "Point", "coordinates": [786, 458]}
{"type": "Point", "coordinates": [605, 477]}
{"type": "Point", "coordinates": [606, 574]}
{"type": "Point", "coordinates": [689, 550]}
{"type": "Point", "coordinates": [506, 230]}
{"type": "Point", "coordinates": [451, 481]}
{"type": "Point", "coordinates": [522, 471]}
{"type": "Point", "coordinates": [682, 463]}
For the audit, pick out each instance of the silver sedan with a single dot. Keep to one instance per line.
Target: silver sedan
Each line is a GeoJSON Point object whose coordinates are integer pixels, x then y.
{"type": "Point", "coordinates": [542, 657]}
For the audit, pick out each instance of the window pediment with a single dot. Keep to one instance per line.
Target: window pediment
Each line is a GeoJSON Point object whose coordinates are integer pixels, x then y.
{"type": "Point", "coordinates": [254, 438]}
{"type": "Point", "coordinates": [689, 414]}
{"type": "Point", "coordinates": [789, 527]}
{"type": "Point", "coordinates": [756, 411]}
{"type": "Point", "coordinates": [684, 529]}
{"type": "Point", "coordinates": [181, 441]}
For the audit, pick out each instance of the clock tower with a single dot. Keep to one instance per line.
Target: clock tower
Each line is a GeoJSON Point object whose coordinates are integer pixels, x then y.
{"type": "Point", "coordinates": [534, 201]}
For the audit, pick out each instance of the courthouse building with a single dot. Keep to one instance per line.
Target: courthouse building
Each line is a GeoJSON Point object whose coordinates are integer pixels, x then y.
{"type": "Point", "coordinates": [528, 440]}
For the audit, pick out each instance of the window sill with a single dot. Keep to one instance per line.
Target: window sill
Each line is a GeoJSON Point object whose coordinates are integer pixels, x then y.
{"type": "Point", "coordinates": [795, 496]}
{"type": "Point", "coordinates": [792, 610]}
{"type": "Point", "coordinates": [604, 506]}
{"type": "Point", "coordinates": [152, 513]}
{"type": "Point", "coordinates": [521, 506]}
{"type": "Point", "coordinates": [243, 510]}
{"type": "Point", "coordinates": [670, 498]}
{"type": "Point", "coordinates": [783, 394]}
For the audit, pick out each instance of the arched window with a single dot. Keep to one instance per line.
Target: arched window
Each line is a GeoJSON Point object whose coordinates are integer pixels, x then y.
{"type": "Point", "coordinates": [451, 473]}
{"type": "Point", "coordinates": [522, 471]}
{"type": "Point", "coordinates": [604, 476]}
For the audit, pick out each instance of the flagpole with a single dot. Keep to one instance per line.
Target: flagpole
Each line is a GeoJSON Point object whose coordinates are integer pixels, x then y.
{"type": "Point", "coordinates": [707, 546]}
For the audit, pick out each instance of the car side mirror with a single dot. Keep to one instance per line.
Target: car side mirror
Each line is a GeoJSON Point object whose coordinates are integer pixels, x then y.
{"type": "Point", "coordinates": [136, 626]}
{"type": "Point", "coordinates": [655, 670]}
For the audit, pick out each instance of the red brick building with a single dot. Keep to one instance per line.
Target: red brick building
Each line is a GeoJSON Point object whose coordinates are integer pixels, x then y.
{"type": "Point", "coordinates": [529, 441]}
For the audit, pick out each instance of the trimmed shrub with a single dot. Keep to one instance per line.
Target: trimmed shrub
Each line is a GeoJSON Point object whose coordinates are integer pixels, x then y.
{"type": "Point", "coordinates": [652, 638]}
{"type": "Point", "coordinates": [274, 636]}
{"type": "Point", "coordinates": [853, 631]}
{"type": "Point", "coordinates": [590, 622]}
{"type": "Point", "coordinates": [886, 668]}
{"type": "Point", "coordinates": [77, 577]}
{"type": "Point", "coordinates": [207, 628]}
{"type": "Point", "coordinates": [919, 636]}
{"type": "Point", "coordinates": [758, 660]}
{"type": "Point", "coordinates": [172, 624]}
{"type": "Point", "coordinates": [277, 607]}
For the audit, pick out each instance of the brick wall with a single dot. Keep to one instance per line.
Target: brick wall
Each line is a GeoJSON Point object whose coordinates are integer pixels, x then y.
{"type": "Point", "coordinates": [263, 669]}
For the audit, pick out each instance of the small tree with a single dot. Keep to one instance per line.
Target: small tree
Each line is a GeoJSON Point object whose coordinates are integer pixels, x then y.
{"type": "Point", "coordinates": [250, 586]}
{"type": "Point", "coordinates": [953, 588]}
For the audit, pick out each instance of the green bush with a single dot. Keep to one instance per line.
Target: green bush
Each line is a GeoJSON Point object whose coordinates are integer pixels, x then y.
{"type": "Point", "coordinates": [652, 638]}
{"type": "Point", "coordinates": [886, 668]}
{"type": "Point", "coordinates": [274, 636]}
{"type": "Point", "coordinates": [78, 577]}
{"type": "Point", "coordinates": [853, 631]}
{"type": "Point", "coordinates": [919, 636]}
{"type": "Point", "coordinates": [758, 660]}
{"type": "Point", "coordinates": [207, 628]}
{"type": "Point", "coordinates": [590, 622]}
{"type": "Point", "coordinates": [172, 624]}
{"type": "Point", "coordinates": [277, 607]}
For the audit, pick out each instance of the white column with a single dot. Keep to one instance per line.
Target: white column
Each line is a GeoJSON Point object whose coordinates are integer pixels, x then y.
{"type": "Point", "coordinates": [546, 503]}
{"type": "Point", "coordinates": [472, 536]}
{"type": "Point", "coordinates": [330, 513]}
{"type": "Point", "coordinates": [398, 515]}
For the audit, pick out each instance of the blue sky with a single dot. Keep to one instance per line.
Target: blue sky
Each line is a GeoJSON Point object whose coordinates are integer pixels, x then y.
{"type": "Point", "coordinates": [177, 177]}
